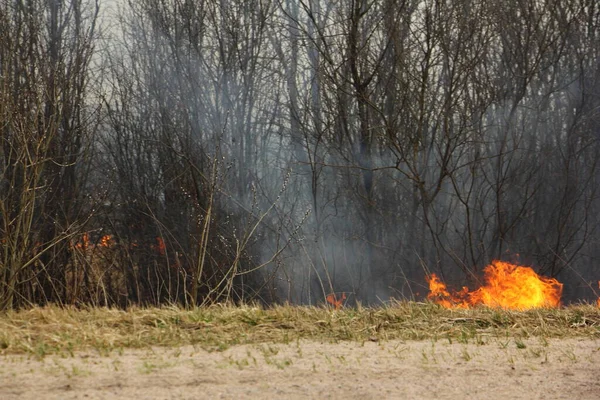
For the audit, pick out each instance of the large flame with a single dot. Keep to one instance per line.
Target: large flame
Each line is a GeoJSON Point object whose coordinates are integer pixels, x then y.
{"type": "Point", "coordinates": [506, 286]}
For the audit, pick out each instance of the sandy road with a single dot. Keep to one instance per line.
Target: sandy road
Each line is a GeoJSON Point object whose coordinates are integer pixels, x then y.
{"type": "Point", "coordinates": [493, 369]}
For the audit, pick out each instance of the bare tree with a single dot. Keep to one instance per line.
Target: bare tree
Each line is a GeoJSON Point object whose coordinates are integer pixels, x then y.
{"type": "Point", "coordinates": [45, 51]}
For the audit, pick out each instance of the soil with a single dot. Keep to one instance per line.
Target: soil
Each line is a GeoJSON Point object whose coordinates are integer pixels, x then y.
{"type": "Point", "coordinates": [490, 369]}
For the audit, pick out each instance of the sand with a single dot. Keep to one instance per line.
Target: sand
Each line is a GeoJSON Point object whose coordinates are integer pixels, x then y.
{"type": "Point", "coordinates": [492, 368]}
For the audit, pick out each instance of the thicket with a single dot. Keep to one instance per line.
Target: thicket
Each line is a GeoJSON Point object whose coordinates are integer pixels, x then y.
{"type": "Point", "coordinates": [193, 151]}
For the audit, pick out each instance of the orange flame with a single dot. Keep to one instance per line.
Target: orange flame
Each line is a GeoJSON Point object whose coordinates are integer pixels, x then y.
{"type": "Point", "coordinates": [598, 297]}
{"type": "Point", "coordinates": [106, 241]}
{"type": "Point", "coordinates": [506, 286]}
{"type": "Point", "coordinates": [439, 294]}
{"type": "Point", "coordinates": [160, 247]}
{"type": "Point", "coordinates": [336, 303]}
{"type": "Point", "coordinates": [85, 242]}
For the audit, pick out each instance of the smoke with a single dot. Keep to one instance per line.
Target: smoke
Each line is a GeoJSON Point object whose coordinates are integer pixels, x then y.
{"type": "Point", "coordinates": [360, 169]}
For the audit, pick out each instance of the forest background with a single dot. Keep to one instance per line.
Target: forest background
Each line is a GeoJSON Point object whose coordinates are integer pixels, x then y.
{"type": "Point", "coordinates": [194, 151]}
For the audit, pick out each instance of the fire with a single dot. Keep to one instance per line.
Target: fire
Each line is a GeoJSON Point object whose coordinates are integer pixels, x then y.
{"type": "Point", "coordinates": [334, 301]}
{"type": "Point", "coordinates": [439, 294]}
{"type": "Point", "coordinates": [106, 241]}
{"type": "Point", "coordinates": [85, 242]}
{"type": "Point", "coordinates": [506, 286]}
{"type": "Point", "coordinates": [160, 246]}
{"type": "Point", "coordinates": [598, 297]}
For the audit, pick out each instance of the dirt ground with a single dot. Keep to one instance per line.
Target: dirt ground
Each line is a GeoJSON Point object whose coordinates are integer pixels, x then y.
{"type": "Point", "coordinates": [491, 369]}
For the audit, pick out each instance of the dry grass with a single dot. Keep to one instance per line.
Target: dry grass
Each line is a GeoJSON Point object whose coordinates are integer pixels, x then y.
{"type": "Point", "coordinates": [48, 330]}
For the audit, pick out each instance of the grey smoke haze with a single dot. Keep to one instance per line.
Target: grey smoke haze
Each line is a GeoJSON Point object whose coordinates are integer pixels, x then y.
{"type": "Point", "coordinates": [386, 140]}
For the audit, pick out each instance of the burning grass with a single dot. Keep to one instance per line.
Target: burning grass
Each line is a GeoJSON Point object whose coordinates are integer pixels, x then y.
{"type": "Point", "coordinates": [49, 330]}
{"type": "Point", "coordinates": [507, 286]}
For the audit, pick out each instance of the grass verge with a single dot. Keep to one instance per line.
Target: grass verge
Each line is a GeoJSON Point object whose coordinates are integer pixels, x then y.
{"type": "Point", "coordinates": [51, 330]}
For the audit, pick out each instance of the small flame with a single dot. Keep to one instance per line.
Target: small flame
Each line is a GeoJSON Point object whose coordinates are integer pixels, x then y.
{"type": "Point", "coordinates": [506, 286]}
{"type": "Point", "coordinates": [334, 301]}
{"type": "Point", "coordinates": [439, 294]}
{"type": "Point", "coordinates": [85, 242]}
{"type": "Point", "coordinates": [598, 297]}
{"type": "Point", "coordinates": [160, 246]}
{"type": "Point", "coordinates": [106, 241]}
